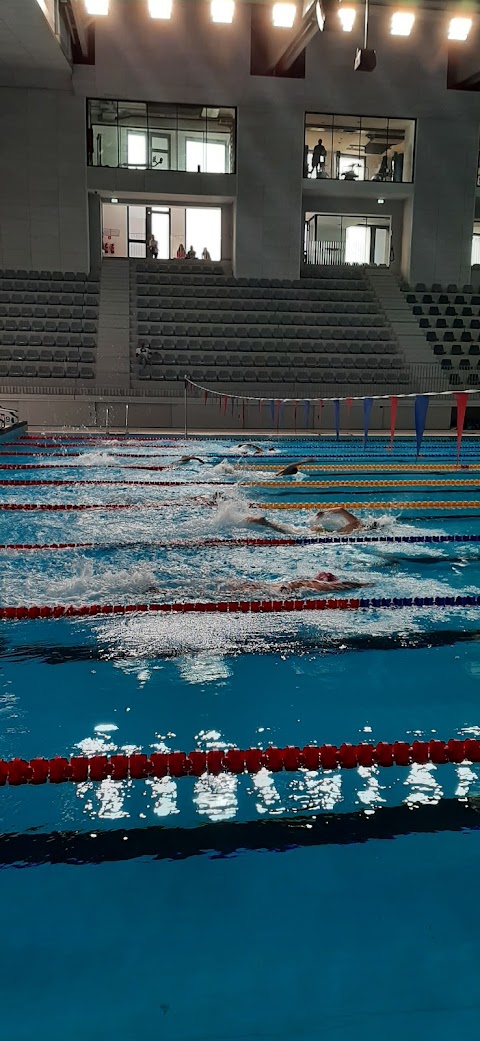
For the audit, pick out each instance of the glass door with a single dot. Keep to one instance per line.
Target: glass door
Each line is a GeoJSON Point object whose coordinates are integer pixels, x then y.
{"type": "Point", "coordinates": [160, 229]}
{"type": "Point", "coordinates": [137, 231]}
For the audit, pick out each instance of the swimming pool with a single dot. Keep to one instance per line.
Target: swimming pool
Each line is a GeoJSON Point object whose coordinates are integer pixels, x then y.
{"type": "Point", "coordinates": [290, 905]}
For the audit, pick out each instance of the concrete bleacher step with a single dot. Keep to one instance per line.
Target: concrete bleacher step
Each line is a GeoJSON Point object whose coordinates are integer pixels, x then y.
{"type": "Point", "coordinates": [113, 350]}
{"type": "Point", "coordinates": [398, 313]}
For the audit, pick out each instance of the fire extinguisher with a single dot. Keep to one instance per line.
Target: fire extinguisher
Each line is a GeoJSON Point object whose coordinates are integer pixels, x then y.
{"type": "Point", "coordinates": [112, 248]}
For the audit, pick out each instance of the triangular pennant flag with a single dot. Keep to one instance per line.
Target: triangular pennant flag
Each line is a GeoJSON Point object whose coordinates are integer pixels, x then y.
{"type": "Point", "coordinates": [421, 409]}
{"type": "Point", "coordinates": [367, 408]}
{"type": "Point", "coordinates": [272, 410]}
{"type": "Point", "coordinates": [349, 405]}
{"type": "Point", "coordinates": [336, 410]}
{"type": "Point", "coordinates": [306, 407]}
{"type": "Point", "coordinates": [462, 398]}
{"type": "Point", "coordinates": [224, 404]}
{"type": "Point", "coordinates": [295, 407]}
{"type": "Point", "coordinates": [205, 395]}
{"type": "Point", "coordinates": [319, 411]}
{"type": "Point", "coordinates": [393, 418]}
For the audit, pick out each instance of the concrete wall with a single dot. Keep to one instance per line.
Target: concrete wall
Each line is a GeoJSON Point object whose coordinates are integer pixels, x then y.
{"type": "Point", "coordinates": [43, 197]}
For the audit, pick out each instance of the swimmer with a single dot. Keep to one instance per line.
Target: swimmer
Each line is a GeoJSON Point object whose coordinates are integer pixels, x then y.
{"type": "Point", "coordinates": [181, 462]}
{"type": "Point", "coordinates": [292, 468]}
{"type": "Point", "coordinates": [256, 449]}
{"type": "Point", "coordinates": [335, 521]}
{"type": "Point", "coordinates": [323, 582]}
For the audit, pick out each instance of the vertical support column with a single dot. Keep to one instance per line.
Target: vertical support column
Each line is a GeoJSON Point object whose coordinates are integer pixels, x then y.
{"type": "Point", "coordinates": [268, 218]}
{"type": "Point", "coordinates": [95, 231]}
{"type": "Point", "coordinates": [438, 220]}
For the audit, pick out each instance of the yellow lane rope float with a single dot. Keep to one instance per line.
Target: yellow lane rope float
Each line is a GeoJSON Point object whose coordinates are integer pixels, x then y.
{"type": "Point", "coordinates": [364, 484]}
{"type": "Point", "coordinates": [397, 506]}
{"type": "Point", "coordinates": [363, 467]}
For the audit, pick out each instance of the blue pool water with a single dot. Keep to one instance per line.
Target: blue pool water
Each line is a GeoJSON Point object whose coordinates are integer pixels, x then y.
{"type": "Point", "coordinates": [291, 906]}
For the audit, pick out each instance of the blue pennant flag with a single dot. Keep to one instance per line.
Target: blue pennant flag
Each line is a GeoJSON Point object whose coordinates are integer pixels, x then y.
{"type": "Point", "coordinates": [421, 409]}
{"type": "Point", "coordinates": [336, 409]}
{"type": "Point", "coordinates": [272, 410]}
{"type": "Point", "coordinates": [306, 406]}
{"type": "Point", "coordinates": [367, 408]}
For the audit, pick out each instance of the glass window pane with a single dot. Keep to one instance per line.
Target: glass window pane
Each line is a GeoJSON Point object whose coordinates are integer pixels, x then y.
{"type": "Point", "coordinates": [160, 223]}
{"type": "Point", "coordinates": [401, 142]}
{"type": "Point", "coordinates": [374, 148]}
{"type": "Point", "coordinates": [136, 148]}
{"type": "Point", "coordinates": [204, 230]}
{"type": "Point", "coordinates": [102, 136]}
{"type": "Point", "coordinates": [192, 126]}
{"type": "Point", "coordinates": [349, 161]}
{"type": "Point", "coordinates": [220, 125]}
{"type": "Point", "coordinates": [163, 127]}
{"type": "Point", "coordinates": [318, 150]}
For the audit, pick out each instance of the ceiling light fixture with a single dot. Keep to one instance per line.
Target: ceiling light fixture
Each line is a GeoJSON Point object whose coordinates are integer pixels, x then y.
{"type": "Point", "coordinates": [459, 28]}
{"type": "Point", "coordinates": [347, 17]}
{"type": "Point", "coordinates": [222, 11]}
{"type": "Point", "coordinates": [283, 15]}
{"type": "Point", "coordinates": [402, 23]}
{"type": "Point", "coordinates": [113, 200]}
{"type": "Point", "coordinates": [160, 9]}
{"type": "Point", "coordinates": [96, 6]}
{"type": "Point", "coordinates": [380, 202]}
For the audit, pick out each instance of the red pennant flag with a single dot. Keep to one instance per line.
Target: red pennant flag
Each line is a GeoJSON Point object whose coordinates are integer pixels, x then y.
{"type": "Point", "coordinates": [260, 403]}
{"type": "Point", "coordinates": [393, 419]}
{"type": "Point", "coordinates": [295, 406]}
{"type": "Point", "coordinates": [349, 405]}
{"type": "Point", "coordinates": [462, 398]}
{"type": "Point", "coordinates": [224, 404]}
{"type": "Point", "coordinates": [205, 395]}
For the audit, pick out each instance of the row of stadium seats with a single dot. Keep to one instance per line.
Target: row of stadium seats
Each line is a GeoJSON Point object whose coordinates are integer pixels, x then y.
{"type": "Point", "coordinates": [225, 292]}
{"type": "Point", "coordinates": [258, 307]}
{"type": "Point", "coordinates": [186, 358]}
{"type": "Point", "coordinates": [436, 287]}
{"type": "Point", "coordinates": [25, 339]}
{"type": "Point", "coordinates": [275, 374]}
{"type": "Point", "coordinates": [240, 318]}
{"type": "Point", "coordinates": [319, 347]}
{"type": "Point", "coordinates": [56, 370]}
{"type": "Point", "coordinates": [47, 354]}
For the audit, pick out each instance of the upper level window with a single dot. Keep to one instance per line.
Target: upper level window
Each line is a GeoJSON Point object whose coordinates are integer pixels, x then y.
{"type": "Point", "coordinates": [358, 148]}
{"type": "Point", "coordinates": [151, 136]}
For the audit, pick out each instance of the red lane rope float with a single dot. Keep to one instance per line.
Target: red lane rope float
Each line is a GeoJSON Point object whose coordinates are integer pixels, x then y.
{"type": "Point", "coordinates": [35, 611]}
{"type": "Point", "coordinates": [78, 769]}
{"type": "Point", "coordinates": [249, 542]}
{"type": "Point", "coordinates": [153, 484]}
{"type": "Point", "coordinates": [12, 506]}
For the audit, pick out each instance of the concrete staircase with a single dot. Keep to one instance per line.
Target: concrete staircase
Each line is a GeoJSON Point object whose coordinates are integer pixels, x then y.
{"type": "Point", "coordinates": [113, 350]}
{"type": "Point", "coordinates": [392, 301]}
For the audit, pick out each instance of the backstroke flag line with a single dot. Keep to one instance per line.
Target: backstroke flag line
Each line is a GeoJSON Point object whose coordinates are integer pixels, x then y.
{"type": "Point", "coordinates": [393, 418]}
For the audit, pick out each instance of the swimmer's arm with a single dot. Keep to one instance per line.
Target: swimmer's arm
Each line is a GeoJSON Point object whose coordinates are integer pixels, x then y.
{"type": "Point", "coordinates": [274, 525]}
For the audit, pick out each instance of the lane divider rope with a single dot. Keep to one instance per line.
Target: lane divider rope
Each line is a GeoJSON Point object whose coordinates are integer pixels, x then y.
{"type": "Point", "coordinates": [249, 542]}
{"type": "Point", "coordinates": [292, 758]}
{"type": "Point", "coordinates": [233, 607]}
{"type": "Point", "coordinates": [54, 507]}
{"type": "Point", "coordinates": [412, 483]}
{"type": "Point", "coordinates": [400, 505]}
{"type": "Point", "coordinates": [364, 467]}
{"type": "Point", "coordinates": [310, 469]}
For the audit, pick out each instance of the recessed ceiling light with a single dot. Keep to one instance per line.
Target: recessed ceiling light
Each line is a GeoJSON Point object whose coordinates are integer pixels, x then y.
{"type": "Point", "coordinates": [160, 8]}
{"type": "Point", "coordinates": [347, 17]}
{"type": "Point", "coordinates": [222, 11]}
{"type": "Point", "coordinates": [459, 28]}
{"type": "Point", "coordinates": [96, 6]}
{"type": "Point", "coordinates": [283, 15]}
{"type": "Point", "coordinates": [402, 23]}
{"type": "Point", "coordinates": [380, 202]}
{"type": "Point", "coordinates": [113, 200]}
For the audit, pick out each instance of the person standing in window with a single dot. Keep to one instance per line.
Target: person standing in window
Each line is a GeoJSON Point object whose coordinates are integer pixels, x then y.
{"type": "Point", "coordinates": [319, 158]}
{"type": "Point", "coordinates": [206, 254]}
{"type": "Point", "coordinates": [181, 252]}
{"type": "Point", "coordinates": [153, 247]}
{"type": "Point", "coordinates": [191, 255]}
